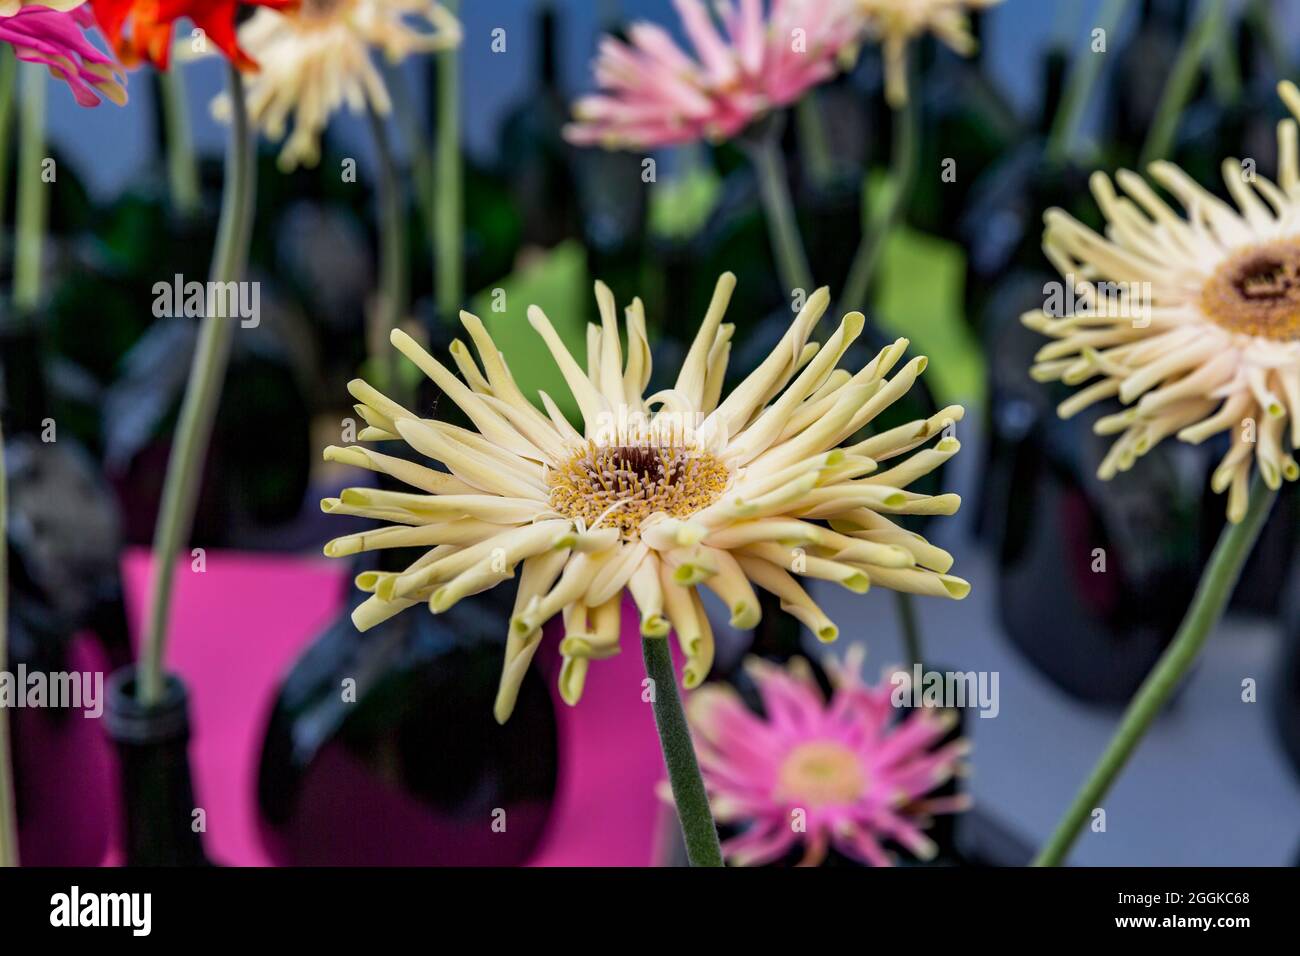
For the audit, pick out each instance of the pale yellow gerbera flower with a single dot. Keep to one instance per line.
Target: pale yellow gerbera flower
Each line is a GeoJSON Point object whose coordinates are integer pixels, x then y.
{"type": "Point", "coordinates": [1194, 323]}
{"type": "Point", "coordinates": [655, 495]}
{"type": "Point", "coordinates": [896, 23]}
{"type": "Point", "coordinates": [317, 57]}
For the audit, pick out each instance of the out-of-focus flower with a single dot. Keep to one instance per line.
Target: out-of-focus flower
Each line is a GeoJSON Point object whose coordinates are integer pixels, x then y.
{"type": "Point", "coordinates": [141, 30]}
{"type": "Point", "coordinates": [1194, 323]}
{"type": "Point", "coordinates": [855, 776]}
{"type": "Point", "coordinates": [896, 23]}
{"type": "Point", "coordinates": [655, 94]}
{"type": "Point", "coordinates": [317, 57]}
{"type": "Point", "coordinates": [57, 39]}
{"type": "Point", "coordinates": [656, 494]}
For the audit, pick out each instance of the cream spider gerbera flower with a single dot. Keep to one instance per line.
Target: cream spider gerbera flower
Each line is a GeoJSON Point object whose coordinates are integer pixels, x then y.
{"type": "Point", "coordinates": [317, 56]}
{"type": "Point", "coordinates": [655, 495]}
{"type": "Point", "coordinates": [1194, 323]}
{"type": "Point", "coordinates": [896, 23]}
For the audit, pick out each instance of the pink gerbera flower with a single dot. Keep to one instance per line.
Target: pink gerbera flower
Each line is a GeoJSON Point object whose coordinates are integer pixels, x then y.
{"type": "Point", "coordinates": [844, 773]}
{"type": "Point", "coordinates": [655, 94]}
{"type": "Point", "coordinates": [43, 35]}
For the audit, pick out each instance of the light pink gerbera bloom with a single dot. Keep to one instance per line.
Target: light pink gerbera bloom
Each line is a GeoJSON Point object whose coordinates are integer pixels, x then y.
{"type": "Point", "coordinates": [844, 773]}
{"type": "Point", "coordinates": [55, 38]}
{"type": "Point", "coordinates": [655, 94]}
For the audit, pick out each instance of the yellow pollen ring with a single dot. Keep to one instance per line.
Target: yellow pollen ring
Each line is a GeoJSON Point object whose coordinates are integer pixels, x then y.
{"type": "Point", "coordinates": [619, 486]}
{"type": "Point", "coordinates": [1256, 291]}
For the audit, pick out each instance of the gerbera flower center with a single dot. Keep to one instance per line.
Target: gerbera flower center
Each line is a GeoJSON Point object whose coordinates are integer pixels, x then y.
{"type": "Point", "coordinates": [1257, 292]}
{"type": "Point", "coordinates": [320, 12]}
{"type": "Point", "coordinates": [821, 773]}
{"type": "Point", "coordinates": [620, 485]}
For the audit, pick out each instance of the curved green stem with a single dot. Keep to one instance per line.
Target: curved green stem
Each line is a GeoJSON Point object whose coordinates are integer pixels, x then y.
{"type": "Point", "coordinates": [392, 257]}
{"type": "Point", "coordinates": [1182, 80]}
{"type": "Point", "coordinates": [902, 178]}
{"type": "Point", "coordinates": [33, 200]}
{"type": "Point", "coordinates": [1078, 87]}
{"type": "Point", "coordinates": [194, 430]}
{"type": "Point", "coordinates": [778, 210]}
{"type": "Point", "coordinates": [692, 802]}
{"type": "Point", "coordinates": [8, 80]}
{"type": "Point", "coordinates": [8, 816]}
{"type": "Point", "coordinates": [1212, 594]}
{"type": "Point", "coordinates": [449, 251]}
{"type": "Point", "coordinates": [182, 167]}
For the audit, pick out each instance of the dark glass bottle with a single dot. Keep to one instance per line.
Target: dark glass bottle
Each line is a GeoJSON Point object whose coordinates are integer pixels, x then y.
{"type": "Point", "coordinates": [163, 824]}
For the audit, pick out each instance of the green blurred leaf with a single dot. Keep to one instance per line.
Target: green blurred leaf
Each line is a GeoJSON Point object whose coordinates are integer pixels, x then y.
{"type": "Point", "coordinates": [680, 206]}
{"type": "Point", "coordinates": [558, 282]}
{"type": "Point", "coordinates": [918, 294]}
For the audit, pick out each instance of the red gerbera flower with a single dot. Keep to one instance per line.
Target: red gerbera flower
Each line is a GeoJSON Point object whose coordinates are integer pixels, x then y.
{"type": "Point", "coordinates": [141, 30]}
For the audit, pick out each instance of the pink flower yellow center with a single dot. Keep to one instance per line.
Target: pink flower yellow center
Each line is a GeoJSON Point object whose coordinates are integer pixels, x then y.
{"type": "Point", "coordinates": [621, 485]}
{"type": "Point", "coordinates": [1256, 291]}
{"type": "Point", "coordinates": [821, 773]}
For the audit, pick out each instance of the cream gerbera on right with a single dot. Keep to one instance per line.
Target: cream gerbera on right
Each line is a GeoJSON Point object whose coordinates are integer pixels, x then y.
{"type": "Point", "coordinates": [655, 495]}
{"type": "Point", "coordinates": [316, 57]}
{"type": "Point", "coordinates": [1193, 323]}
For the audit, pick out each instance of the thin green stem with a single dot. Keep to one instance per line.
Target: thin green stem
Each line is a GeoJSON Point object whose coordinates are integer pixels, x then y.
{"type": "Point", "coordinates": [778, 210]}
{"type": "Point", "coordinates": [812, 138]}
{"type": "Point", "coordinates": [408, 121]}
{"type": "Point", "coordinates": [182, 167]}
{"type": "Point", "coordinates": [1212, 594]}
{"type": "Point", "coordinates": [902, 179]}
{"type": "Point", "coordinates": [1181, 82]}
{"type": "Point", "coordinates": [8, 80]}
{"type": "Point", "coordinates": [449, 251]}
{"type": "Point", "coordinates": [392, 258]}
{"type": "Point", "coordinates": [857, 287]}
{"type": "Point", "coordinates": [8, 816]}
{"type": "Point", "coordinates": [33, 200]}
{"type": "Point", "coordinates": [1225, 66]}
{"type": "Point", "coordinates": [1078, 86]}
{"type": "Point", "coordinates": [194, 430]}
{"type": "Point", "coordinates": [1259, 14]}
{"type": "Point", "coordinates": [692, 802]}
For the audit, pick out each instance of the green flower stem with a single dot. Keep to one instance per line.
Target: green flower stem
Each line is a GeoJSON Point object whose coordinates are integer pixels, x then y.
{"type": "Point", "coordinates": [812, 138]}
{"type": "Point", "coordinates": [33, 199]}
{"type": "Point", "coordinates": [1182, 80]}
{"type": "Point", "coordinates": [1078, 87]}
{"type": "Point", "coordinates": [902, 179]}
{"type": "Point", "coordinates": [692, 802]}
{"type": "Point", "coordinates": [194, 431]}
{"type": "Point", "coordinates": [1259, 14]}
{"type": "Point", "coordinates": [1212, 594]}
{"type": "Point", "coordinates": [392, 258]}
{"type": "Point", "coordinates": [8, 817]}
{"type": "Point", "coordinates": [778, 209]}
{"type": "Point", "coordinates": [408, 122]}
{"type": "Point", "coordinates": [449, 252]}
{"type": "Point", "coordinates": [8, 80]}
{"type": "Point", "coordinates": [182, 167]}
{"type": "Point", "coordinates": [910, 627]}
